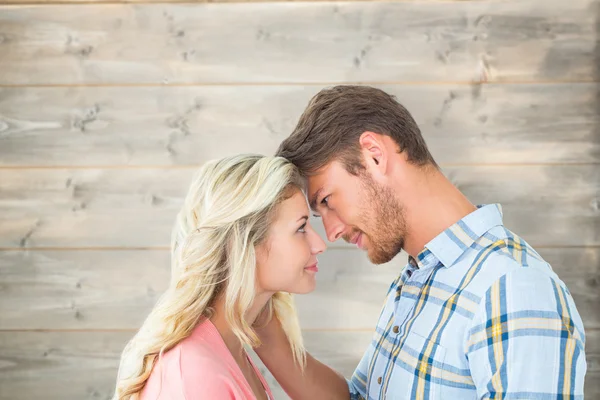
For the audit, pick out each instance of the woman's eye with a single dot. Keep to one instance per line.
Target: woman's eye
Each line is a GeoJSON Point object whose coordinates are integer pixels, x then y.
{"type": "Point", "coordinates": [325, 200]}
{"type": "Point", "coordinates": [302, 229]}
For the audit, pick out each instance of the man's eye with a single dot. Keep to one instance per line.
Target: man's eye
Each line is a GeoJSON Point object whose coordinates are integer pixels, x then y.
{"type": "Point", "coordinates": [325, 200]}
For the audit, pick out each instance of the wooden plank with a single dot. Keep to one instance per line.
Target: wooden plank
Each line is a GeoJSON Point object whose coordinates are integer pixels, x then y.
{"type": "Point", "coordinates": [137, 207]}
{"type": "Point", "coordinates": [61, 2]}
{"type": "Point", "coordinates": [87, 2]}
{"type": "Point", "coordinates": [54, 2]}
{"type": "Point", "coordinates": [59, 365]}
{"type": "Point", "coordinates": [103, 126]}
{"type": "Point", "coordinates": [37, 364]}
{"type": "Point", "coordinates": [298, 42]}
{"type": "Point", "coordinates": [117, 289]}
{"type": "Point", "coordinates": [106, 289]}
{"type": "Point", "coordinates": [80, 289]}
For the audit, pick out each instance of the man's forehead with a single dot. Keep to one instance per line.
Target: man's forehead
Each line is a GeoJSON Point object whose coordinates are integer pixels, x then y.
{"type": "Point", "coordinates": [322, 179]}
{"type": "Point", "coordinates": [314, 183]}
{"type": "Point", "coordinates": [317, 180]}
{"type": "Point", "coordinates": [315, 187]}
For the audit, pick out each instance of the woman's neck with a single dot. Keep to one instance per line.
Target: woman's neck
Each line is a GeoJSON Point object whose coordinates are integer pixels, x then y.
{"type": "Point", "coordinates": [218, 319]}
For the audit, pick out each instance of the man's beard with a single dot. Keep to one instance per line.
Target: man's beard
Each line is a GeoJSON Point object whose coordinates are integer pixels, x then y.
{"type": "Point", "coordinates": [383, 220]}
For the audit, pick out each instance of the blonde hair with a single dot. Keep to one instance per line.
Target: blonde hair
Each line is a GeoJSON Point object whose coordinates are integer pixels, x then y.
{"type": "Point", "coordinates": [226, 213]}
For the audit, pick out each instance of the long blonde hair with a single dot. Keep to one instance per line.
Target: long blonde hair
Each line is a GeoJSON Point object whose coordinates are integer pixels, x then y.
{"type": "Point", "coordinates": [226, 213]}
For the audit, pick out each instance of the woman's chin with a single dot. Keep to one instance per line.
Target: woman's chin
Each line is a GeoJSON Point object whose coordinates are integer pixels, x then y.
{"type": "Point", "coordinates": [307, 286]}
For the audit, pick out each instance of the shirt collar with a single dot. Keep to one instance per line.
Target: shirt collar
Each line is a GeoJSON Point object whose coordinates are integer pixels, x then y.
{"type": "Point", "coordinates": [449, 245]}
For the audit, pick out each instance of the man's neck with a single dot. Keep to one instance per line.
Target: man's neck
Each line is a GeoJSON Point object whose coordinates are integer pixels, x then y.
{"type": "Point", "coordinates": [435, 204]}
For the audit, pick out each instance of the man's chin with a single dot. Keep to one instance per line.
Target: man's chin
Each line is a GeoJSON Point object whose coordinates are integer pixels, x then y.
{"type": "Point", "coordinates": [380, 257]}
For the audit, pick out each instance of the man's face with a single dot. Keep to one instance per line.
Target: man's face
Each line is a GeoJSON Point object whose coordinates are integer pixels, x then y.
{"type": "Point", "coordinates": [359, 210]}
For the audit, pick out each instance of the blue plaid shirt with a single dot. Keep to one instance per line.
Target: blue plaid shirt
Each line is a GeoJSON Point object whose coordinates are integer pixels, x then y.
{"type": "Point", "coordinates": [478, 315]}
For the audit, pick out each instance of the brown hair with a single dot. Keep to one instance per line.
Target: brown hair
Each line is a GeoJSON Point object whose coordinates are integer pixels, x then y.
{"type": "Point", "coordinates": [335, 118]}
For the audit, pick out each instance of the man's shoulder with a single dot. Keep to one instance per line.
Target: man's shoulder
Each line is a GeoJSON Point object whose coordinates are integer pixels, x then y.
{"type": "Point", "coordinates": [504, 256]}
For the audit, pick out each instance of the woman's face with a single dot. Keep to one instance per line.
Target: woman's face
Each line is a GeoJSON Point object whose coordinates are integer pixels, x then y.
{"type": "Point", "coordinates": [287, 259]}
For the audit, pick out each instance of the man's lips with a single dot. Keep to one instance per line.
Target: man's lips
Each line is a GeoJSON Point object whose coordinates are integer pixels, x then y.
{"type": "Point", "coordinates": [358, 240]}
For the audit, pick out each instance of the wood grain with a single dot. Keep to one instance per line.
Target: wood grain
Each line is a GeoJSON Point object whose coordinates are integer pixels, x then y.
{"type": "Point", "coordinates": [170, 126]}
{"type": "Point", "coordinates": [136, 207]}
{"type": "Point", "coordinates": [299, 42]}
{"type": "Point", "coordinates": [105, 289]}
{"type": "Point", "coordinates": [55, 2]}
{"type": "Point", "coordinates": [106, 109]}
{"type": "Point", "coordinates": [38, 364]}
{"type": "Point", "coordinates": [117, 289]}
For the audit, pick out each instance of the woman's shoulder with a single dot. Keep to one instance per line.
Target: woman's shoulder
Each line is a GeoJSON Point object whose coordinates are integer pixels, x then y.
{"type": "Point", "coordinates": [186, 373]}
{"type": "Point", "coordinates": [193, 369]}
{"type": "Point", "coordinates": [201, 352]}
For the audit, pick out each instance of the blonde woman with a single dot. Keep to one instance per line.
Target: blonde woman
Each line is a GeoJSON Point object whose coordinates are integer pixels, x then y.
{"type": "Point", "coordinates": [241, 244]}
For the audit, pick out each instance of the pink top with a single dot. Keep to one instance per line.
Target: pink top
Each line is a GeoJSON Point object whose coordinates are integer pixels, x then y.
{"type": "Point", "coordinates": [200, 367]}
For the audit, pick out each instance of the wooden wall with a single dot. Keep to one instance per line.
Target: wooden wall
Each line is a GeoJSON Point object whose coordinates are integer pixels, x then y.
{"type": "Point", "coordinates": [107, 108]}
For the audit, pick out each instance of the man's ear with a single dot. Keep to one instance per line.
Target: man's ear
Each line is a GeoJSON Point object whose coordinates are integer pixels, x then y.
{"type": "Point", "coordinates": [374, 151]}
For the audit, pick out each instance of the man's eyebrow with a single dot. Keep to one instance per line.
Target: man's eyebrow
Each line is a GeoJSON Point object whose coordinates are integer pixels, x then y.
{"type": "Point", "coordinates": [313, 200]}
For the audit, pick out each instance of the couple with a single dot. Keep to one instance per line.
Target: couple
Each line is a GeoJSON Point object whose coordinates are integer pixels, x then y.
{"type": "Point", "coordinates": [475, 314]}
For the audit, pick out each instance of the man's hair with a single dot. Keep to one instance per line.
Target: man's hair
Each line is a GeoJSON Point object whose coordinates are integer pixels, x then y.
{"type": "Point", "coordinates": [335, 118]}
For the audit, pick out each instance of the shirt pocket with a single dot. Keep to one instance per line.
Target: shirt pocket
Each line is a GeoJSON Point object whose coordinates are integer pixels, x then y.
{"type": "Point", "coordinates": [424, 359]}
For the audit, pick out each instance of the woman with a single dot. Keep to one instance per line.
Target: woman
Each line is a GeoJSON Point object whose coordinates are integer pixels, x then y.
{"type": "Point", "coordinates": [241, 244]}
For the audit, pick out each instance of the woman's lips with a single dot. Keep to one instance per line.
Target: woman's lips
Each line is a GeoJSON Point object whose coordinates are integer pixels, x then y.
{"type": "Point", "coordinates": [312, 268]}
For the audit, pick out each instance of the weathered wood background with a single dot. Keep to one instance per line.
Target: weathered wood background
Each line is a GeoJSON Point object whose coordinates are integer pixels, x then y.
{"type": "Point", "coordinates": [106, 109]}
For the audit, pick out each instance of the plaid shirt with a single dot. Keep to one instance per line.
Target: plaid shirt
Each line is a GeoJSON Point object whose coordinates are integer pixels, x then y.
{"type": "Point", "coordinates": [478, 315]}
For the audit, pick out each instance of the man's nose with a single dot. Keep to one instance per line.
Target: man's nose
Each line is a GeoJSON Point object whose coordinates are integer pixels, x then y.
{"type": "Point", "coordinates": [334, 227]}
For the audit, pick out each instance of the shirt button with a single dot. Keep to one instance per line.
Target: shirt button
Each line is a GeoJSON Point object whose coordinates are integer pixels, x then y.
{"type": "Point", "coordinates": [396, 329]}
{"type": "Point", "coordinates": [379, 380]}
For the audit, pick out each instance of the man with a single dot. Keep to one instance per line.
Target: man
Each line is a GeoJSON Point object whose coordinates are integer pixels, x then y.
{"type": "Point", "coordinates": [476, 313]}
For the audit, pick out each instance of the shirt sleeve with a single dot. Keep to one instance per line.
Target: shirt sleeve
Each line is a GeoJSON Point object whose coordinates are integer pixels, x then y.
{"type": "Point", "coordinates": [527, 339]}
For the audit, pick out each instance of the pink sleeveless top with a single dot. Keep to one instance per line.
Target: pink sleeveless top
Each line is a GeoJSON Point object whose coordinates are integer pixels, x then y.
{"type": "Point", "coordinates": [200, 367]}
